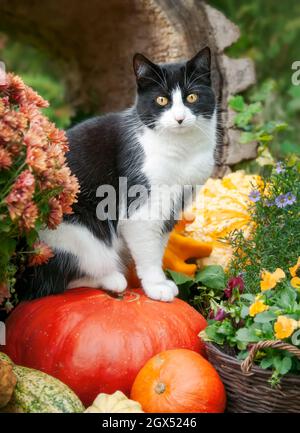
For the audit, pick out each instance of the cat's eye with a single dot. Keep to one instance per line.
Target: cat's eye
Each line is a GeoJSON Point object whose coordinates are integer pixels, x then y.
{"type": "Point", "coordinates": [162, 100]}
{"type": "Point", "coordinates": [192, 97]}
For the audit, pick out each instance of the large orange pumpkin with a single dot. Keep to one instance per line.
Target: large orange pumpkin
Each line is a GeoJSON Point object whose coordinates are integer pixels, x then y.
{"type": "Point", "coordinates": [179, 381]}
{"type": "Point", "coordinates": [96, 343]}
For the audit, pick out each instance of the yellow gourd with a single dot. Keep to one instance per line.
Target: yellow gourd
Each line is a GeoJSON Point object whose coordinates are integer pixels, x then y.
{"type": "Point", "coordinates": [221, 207]}
{"type": "Point", "coordinates": [181, 248]}
{"type": "Point", "coordinates": [114, 403]}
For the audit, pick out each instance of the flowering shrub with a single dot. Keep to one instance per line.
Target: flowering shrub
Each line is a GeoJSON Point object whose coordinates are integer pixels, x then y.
{"type": "Point", "coordinates": [36, 186]}
{"type": "Point", "coordinates": [262, 297]}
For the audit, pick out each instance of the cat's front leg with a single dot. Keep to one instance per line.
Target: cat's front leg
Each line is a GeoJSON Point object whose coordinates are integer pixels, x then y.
{"type": "Point", "coordinates": [146, 244]}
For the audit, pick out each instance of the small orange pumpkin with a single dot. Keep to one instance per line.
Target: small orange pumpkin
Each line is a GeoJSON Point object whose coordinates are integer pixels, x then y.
{"type": "Point", "coordinates": [179, 380]}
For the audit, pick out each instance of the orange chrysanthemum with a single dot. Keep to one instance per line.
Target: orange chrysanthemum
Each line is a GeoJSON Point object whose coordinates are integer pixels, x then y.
{"type": "Point", "coordinates": [42, 253]}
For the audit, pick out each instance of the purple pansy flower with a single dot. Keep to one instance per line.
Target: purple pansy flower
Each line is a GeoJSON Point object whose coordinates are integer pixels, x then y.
{"type": "Point", "coordinates": [254, 195]}
{"type": "Point", "coordinates": [279, 168]}
{"type": "Point", "coordinates": [234, 282]}
{"type": "Point", "coordinates": [220, 315]}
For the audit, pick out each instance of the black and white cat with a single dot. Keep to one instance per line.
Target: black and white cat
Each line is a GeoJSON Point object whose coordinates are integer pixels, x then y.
{"type": "Point", "coordinates": [168, 137]}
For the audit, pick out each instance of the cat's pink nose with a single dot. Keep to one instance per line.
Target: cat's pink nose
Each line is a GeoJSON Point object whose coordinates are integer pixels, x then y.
{"type": "Point", "coordinates": [179, 119]}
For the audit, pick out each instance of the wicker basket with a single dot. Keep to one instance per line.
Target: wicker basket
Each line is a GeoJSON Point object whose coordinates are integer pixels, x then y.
{"type": "Point", "coordinates": [247, 386]}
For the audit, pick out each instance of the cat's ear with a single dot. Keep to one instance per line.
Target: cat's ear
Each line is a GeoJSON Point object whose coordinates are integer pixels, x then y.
{"type": "Point", "coordinates": [201, 62]}
{"type": "Point", "coordinates": [142, 66]}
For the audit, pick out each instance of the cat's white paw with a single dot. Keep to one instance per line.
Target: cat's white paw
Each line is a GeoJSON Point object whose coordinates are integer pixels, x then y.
{"type": "Point", "coordinates": [161, 291]}
{"type": "Point", "coordinates": [115, 282]}
{"type": "Point", "coordinates": [173, 287]}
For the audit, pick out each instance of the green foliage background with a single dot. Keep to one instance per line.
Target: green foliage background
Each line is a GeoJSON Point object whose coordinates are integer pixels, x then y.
{"type": "Point", "coordinates": [270, 35]}
{"type": "Point", "coordinates": [40, 72]}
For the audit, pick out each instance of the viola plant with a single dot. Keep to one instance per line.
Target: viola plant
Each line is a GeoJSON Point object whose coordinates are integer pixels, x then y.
{"type": "Point", "coordinates": [275, 234]}
{"type": "Point", "coordinates": [36, 186]}
{"type": "Point", "coordinates": [272, 314]}
{"type": "Point", "coordinates": [262, 298]}
{"type": "Point", "coordinates": [203, 290]}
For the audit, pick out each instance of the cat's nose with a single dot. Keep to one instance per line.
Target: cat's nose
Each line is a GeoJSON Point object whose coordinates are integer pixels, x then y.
{"type": "Point", "coordinates": [179, 121]}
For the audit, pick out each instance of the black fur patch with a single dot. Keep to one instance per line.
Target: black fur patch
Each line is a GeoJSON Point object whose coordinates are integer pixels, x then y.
{"type": "Point", "coordinates": [50, 278]}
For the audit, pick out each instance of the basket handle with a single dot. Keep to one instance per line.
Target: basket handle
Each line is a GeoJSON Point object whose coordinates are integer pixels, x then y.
{"type": "Point", "coordinates": [274, 344]}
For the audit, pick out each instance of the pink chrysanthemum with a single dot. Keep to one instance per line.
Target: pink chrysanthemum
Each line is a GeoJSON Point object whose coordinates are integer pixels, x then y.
{"type": "Point", "coordinates": [5, 159]}
{"type": "Point", "coordinates": [38, 185]}
{"type": "Point", "coordinates": [29, 216]}
{"type": "Point", "coordinates": [56, 213]}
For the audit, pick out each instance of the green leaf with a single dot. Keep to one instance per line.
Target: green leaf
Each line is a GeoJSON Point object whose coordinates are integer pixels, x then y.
{"type": "Point", "coordinates": [7, 246]}
{"type": "Point", "coordinates": [237, 103]}
{"type": "Point", "coordinates": [184, 293]}
{"type": "Point", "coordinates": [287, 298]}
{"type": "Point", "coordinates": [31, 237]}
{"type": "Point", "coordinates": [266, 316]}
{"type": "Point", "coordinates": [212, 334]}
{"type": "Point", "coordinates": [266, 363]}
{"type": "Point", "coordinates": [247, 137]}
{"type": "Point", "coordinates": [282, 365]}
{"type": "Point", "coordinates": [264, 90]}
{"type": "Point", "coordinates": [277, 363]}
{"type": "Point", "coordinates": [241, 120]}
{"type": "Point", "coordinates": [244, 311]}
{"type": "Point", "coordinates": [254, 108]}
{"type": "Point", "coordinates": [265, 138]}
{"type": "Point", "coordinates": [247, 335]}
{"type": "Point", "coordinates": [267, 329]}
{"type": "Point", "coordinates": [226, 328]}
{"type": "Point", "coordinates": [248, 297]}
{"type": "Point", "coordinates": [274, 126]}
{"type": "Point", "coordinates": [5, 225]}
{"type": "Point", "coordinates": [180, 278]}
{"type": "Point", "coordinates": [286, 365]}
{"type": "Point", "coordinates": [212, 276]}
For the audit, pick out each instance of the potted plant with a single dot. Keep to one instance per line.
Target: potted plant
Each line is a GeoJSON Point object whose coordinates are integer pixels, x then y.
{"type": "Point", "coordinates": [253, 335]}
{"type": "Point", "coordinates": [36, 185]}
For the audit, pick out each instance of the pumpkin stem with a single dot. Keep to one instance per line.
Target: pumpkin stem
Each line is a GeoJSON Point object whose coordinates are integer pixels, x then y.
{"type": "Point", "coordinates": [160, 388]}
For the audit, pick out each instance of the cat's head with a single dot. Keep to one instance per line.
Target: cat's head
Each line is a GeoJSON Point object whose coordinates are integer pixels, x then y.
{"type": "Point", "coordinates": [174, 96]}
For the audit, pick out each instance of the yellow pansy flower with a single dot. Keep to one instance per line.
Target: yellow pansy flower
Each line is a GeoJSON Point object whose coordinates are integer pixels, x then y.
{"type": "Point", "coordinates": [284, 327]}
{"type": "Point", "coordinates": [270, 279]}
{"type": "Point", "coordinates": [294, 269]}
{"type": "Point", "coordinates": [295, 282]}
{"type": "Point", "coordinates": [257, 307]}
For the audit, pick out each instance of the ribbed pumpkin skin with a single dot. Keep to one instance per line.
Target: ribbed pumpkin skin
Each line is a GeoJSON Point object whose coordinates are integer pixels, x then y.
{"type": "Point", "coordinates": [96, 343]}
{"type": "Point", "coordinates": [179, 381]}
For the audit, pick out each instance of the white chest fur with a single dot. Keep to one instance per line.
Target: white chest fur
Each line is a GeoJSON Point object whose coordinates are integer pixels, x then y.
{"type": "Point", "coordinates": [185, 158]}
